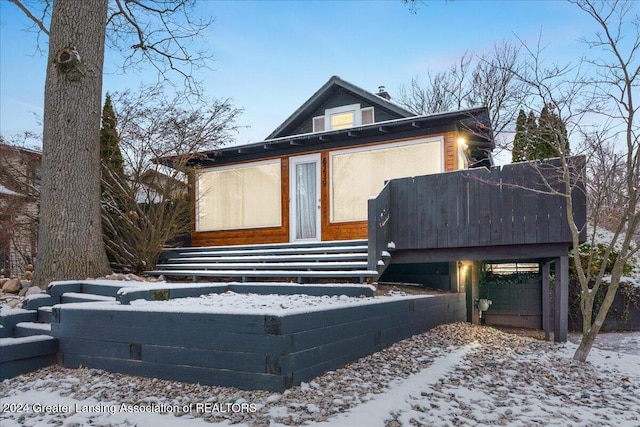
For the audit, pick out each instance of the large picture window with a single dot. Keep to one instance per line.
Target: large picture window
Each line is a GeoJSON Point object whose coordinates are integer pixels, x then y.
{"type": "Point", "coordinates": [359, 175]}
{"type": "Point", "coordinates": [245, 196]}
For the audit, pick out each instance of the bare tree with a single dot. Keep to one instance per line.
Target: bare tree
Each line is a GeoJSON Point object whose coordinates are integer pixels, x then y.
{"type": "Point", "coordinates": [70, 242]}
{"type": "Point", "coordinates": [474, 81]}
{"type": "Point", "coordinates": [150, 205]}
{"type": "Point", "coordinates": [600, 88]}
{"type": "Point", "coordinates": [614, 85]}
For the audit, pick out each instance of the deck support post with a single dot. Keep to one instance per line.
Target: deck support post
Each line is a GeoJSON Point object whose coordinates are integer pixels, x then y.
{"type": "Point", "coordinates": [475, 292]}
{"type": "Point", "coordinates": [561, 299]}
{"type": "Point", "coordinates": [546, 300]}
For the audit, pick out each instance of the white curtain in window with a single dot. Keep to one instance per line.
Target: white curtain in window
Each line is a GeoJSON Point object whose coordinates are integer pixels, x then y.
{"type": "Point", "coordinates": [360, 175]}
{"type": "Point", "coordinates": [306, 200]}
{"type": "Point", "coordinates": [242, 197]}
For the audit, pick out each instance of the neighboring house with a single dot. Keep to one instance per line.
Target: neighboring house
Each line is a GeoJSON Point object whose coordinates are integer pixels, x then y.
{"type": "Point", "coordinates": [19, 190]}
{"type": "Point", "coordinates": [311, 178]}
{"type": "Point", "coordinates": [155, 187]}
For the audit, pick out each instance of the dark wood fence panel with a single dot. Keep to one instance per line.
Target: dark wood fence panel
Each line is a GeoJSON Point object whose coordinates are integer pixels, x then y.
{"type": "Point", "coordinates": [510, 205]}
{"type": "Point", "coordinates": [379, 226]}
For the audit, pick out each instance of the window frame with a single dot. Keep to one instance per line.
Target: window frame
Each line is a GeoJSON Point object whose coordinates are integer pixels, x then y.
{"type": "Point", "coordinates": [332, 154]}
{"type": "Point", "coordinates": [277, 161]}
{"type": "Point", "coordinates": [355, 108]}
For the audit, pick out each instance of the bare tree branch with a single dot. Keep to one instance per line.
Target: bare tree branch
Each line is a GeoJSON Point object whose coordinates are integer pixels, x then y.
{"type": "Point", "coordinates": [601, 88]}
{"type": "Point", "coordinates": [39, 22]}
{"type": "Point", "coordinates": [475, 80]}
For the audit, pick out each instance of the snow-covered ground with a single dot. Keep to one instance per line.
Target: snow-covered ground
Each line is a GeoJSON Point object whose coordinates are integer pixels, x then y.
{"type": "Point", "coordinates": [275, 304]}
{"type": "Point", "coordinates": [453, 375]}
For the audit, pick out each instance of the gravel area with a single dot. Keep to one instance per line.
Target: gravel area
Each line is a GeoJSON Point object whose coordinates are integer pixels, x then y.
{"type": "Point", "coordinates": [499, 379]}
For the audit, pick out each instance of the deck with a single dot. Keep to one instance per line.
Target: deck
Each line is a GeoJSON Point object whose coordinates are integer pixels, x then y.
{"type": "Point", "coordinates": [516, 211]}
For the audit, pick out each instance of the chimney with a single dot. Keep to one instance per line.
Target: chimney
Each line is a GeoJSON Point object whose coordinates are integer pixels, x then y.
{"type": "Point", "coordinates": [382, 93]}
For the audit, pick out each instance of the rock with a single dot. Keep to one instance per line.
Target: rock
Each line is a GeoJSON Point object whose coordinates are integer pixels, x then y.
{"type": "Point", "coordinates": [28, 267]}
{"type": "Point", "coordinates": [11, 286]}
{"type": "Point", "coordinates": [23, 292]}
{"type": "Point", "coordinates": [14, 303]}
{"type": "Point", "coordinates": [33, 290]}
{"type": "Point", "coordinates": [28, 275]}
{"type": "Point", "coordinates": [25, 283]}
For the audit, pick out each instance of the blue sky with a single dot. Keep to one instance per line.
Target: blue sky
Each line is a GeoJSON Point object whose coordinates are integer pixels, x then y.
{"type": "Point", "coordinates": [270, 56]}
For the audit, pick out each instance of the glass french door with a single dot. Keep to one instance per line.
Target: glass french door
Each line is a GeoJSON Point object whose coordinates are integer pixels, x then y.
{"type": "Point", "coordinates": [304, 197]}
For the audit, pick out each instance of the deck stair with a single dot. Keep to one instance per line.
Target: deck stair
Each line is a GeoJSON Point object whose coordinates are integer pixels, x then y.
{"type": "Point", "coordinates": [302, 262]}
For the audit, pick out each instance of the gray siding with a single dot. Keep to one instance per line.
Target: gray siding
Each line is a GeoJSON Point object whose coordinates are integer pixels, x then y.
{"type": "Point", "coordinates": [340, 98]}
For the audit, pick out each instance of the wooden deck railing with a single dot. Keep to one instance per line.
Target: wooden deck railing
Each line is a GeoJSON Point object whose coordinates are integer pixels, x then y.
{"type": "Point", "coordinates": [515, 204]}
{"type": "Point", "coordinates": [379, 226]}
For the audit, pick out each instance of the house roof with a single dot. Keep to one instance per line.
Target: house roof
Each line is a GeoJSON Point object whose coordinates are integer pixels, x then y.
{"type": "Point", "coordinates": [15, 166]}
{"type": "Point", "coordinates": [18, 149]}
{"type": "Point", "coordinates": [6, 192]}
{"type": "Point", "coordinates": [328, 90]}
{"type": "Point", "coordinates": [473, 123]}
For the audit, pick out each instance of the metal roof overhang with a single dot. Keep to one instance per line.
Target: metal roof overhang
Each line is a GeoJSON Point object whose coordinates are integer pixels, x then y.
{"type": "Point", "coordinates": [472, 123]}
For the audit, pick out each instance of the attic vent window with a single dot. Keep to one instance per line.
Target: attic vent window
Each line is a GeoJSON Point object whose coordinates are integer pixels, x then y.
{"type": "Point", "coordinates": [367, 115]}
{"type": "Point", "coordinates": [343, 117]}
{"type": "Point", "coordinates": [343, 120]}
{"type": "Point", "coordinates": [318, 124]}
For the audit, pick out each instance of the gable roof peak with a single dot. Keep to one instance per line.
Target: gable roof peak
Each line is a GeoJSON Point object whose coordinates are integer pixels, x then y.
{"type": "Point", "coordinates": [328, 89]}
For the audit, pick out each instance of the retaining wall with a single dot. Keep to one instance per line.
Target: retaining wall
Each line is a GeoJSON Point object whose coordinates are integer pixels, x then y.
{"type": "Point", "coordinates": [248, 351]}
{"type": "Point", "coordinates": [25, 354]}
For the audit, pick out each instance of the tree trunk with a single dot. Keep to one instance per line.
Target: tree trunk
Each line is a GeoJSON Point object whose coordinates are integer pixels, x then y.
{"type": "Point", "coordinates": [70, 244]}
{"type": "Point", "coordinates": [591, 331]}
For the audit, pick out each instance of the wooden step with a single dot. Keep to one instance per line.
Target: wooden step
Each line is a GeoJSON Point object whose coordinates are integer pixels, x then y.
{"type": "Point", "coordinates": [9, 318]}
{"type": "Point", "coordinates": [337, 260]}
{"type": "Point", "coordinates": [276, 251]}
{"type": "Point", "coordinates": [360, 275]}
{"type": "Point", "coordinates": [271, 258]}
{"type": "Point", "coordinates": [45, 314]}
{"type": "Point", "coordinates": [268, 266]}
{"type": "Point", "coordinates": [26, 354]}
{"type": "Point", "coordinates": [27, 329]}
{"type": "Point", "coordinates": [268, 246]}
{"type": "Point", "coordinates": [71, 297]}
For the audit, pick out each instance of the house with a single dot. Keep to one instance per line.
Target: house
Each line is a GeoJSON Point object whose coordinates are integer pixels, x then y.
{"type": "Point", "coordinates": [352, 171]}
{"type": "Point", "coordinates": [19, 189]}
{"type": "Point", "coordinates": [155, 186]}
{"type": "Point", "coordinates": [310, 179]}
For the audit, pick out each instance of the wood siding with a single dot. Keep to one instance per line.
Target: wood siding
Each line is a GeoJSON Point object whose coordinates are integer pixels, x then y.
{"type": "Point", "coordinates": [450, 151]}
{"type": "Point", "coordinates": [329, 230]}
